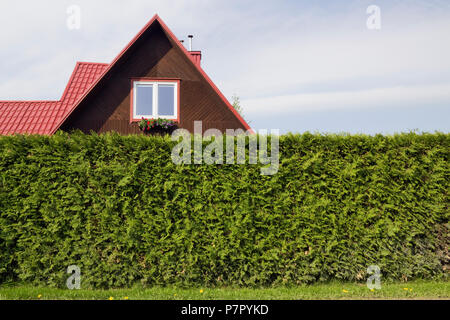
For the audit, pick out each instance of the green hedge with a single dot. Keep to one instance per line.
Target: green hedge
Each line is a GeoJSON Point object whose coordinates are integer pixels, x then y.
{"type": "Point", "coordinates": [121, 210]}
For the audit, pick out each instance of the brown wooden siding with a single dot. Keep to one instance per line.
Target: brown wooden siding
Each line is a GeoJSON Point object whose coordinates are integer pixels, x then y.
{"type": "Point", "coordinates": [107, 107]}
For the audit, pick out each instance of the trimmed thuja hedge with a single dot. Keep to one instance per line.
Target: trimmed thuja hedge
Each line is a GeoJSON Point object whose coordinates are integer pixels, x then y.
{"type": "Point", "coordinates": [117, 207]}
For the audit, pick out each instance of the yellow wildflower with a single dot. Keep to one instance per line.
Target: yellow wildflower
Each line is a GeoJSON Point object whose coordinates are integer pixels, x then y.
{"type": "Point", "coordinates": [111, 298]}
{"type": "Point", "coordinates": [406, 289]}
{"type": "Point", "coordinates": [201, 290]}
{"type": "Point", "coordinates": [125, 298]}
{"type": "Point", "coordinates": [39, 296]}
{"type": "Point", "coordinates": [344, 291]}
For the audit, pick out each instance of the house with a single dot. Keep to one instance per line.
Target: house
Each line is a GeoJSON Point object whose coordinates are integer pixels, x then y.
{"type": "Point", "coordinates": [154, 76]}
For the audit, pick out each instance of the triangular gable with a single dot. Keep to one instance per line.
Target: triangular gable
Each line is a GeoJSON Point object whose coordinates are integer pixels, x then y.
{"type": "Point", "coordinates": [169, 33]}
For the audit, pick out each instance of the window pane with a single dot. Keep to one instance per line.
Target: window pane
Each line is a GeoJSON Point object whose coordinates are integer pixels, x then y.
{"type": "Point", "coordinates": [144, 100]}
{"type": "Point", "coordinates": [166, 100]}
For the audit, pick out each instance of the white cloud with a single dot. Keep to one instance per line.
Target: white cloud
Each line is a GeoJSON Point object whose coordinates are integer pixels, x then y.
{"type": "Point", "coordinates": [372, 98]}
{"type": "Point", "coordinates": [340, 52]}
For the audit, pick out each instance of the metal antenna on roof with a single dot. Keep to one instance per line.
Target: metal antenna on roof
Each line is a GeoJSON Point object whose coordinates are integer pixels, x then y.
{"type": "Point", "coordinates": [190, 41]}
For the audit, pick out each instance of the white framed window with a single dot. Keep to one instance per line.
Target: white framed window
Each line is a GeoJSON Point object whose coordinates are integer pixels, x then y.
{"type": "Point", "coordinates": [155, 99]}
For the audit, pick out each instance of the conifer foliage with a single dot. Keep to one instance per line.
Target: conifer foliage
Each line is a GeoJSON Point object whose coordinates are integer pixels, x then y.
{"type": "Point", "coordinates": [117, 207]}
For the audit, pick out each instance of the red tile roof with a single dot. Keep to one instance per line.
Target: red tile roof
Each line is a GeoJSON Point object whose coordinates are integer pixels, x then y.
{"type": "Point", "coordinates": [42, 117]}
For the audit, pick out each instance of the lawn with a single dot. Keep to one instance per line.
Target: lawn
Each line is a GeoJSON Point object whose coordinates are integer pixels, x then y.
{"type": "Point", "coordinates": [334, 290]}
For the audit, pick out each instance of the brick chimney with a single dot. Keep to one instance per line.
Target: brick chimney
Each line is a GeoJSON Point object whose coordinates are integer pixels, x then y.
{"type": "Point", "coordinates": [195, 55]}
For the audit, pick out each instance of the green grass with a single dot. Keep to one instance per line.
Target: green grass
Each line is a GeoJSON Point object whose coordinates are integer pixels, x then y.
{"type": "Point", "coordinates": [333, 290]}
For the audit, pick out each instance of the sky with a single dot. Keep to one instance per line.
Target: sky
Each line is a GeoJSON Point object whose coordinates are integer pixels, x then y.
{"type": "Point", "coordinates": [295, 65]}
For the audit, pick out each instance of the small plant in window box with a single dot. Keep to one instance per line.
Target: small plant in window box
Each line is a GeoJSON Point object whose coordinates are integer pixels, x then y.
{"type": "Point", "coordinates": [157, 125]}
